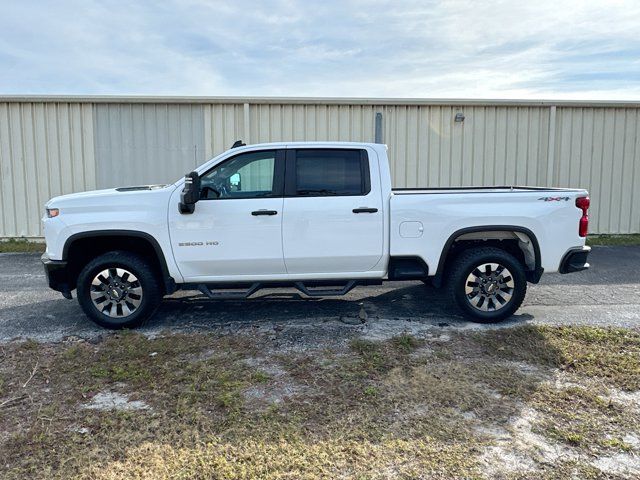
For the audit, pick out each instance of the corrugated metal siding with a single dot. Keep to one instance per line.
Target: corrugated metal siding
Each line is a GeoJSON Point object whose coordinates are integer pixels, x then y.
{"type": "Point", "coordinates": [141, 141]}
{"type": "Point", "coordinates": [493, 146]}
{"type": "Point", "coordinates": [600, 149]}
{"type": "Point", "coordinates": [151, 143]}
{"type": "Point", "coordinates": [45, 150]}
{"type": "Point", "coordinates": [223, 125]}
{"type": "Point", "coordinates": [281, 122]}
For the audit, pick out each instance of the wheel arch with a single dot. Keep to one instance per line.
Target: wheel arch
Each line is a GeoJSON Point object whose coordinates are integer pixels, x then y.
{"type": "Point", "coordinates": [82, 247]}
{"type": "Point", "coordinates": [534, 268]}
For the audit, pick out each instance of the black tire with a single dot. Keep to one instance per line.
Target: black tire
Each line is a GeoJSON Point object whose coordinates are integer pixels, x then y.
{"type": "Point", "coordinates": [464, 267]}
{"type": "Point", "coordinates": [147, 284]}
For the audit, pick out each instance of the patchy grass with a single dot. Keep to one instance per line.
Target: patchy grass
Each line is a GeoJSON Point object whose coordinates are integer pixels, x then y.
{"type": "Point", "coordinates": [626, 239]}
{"type": "Point", "coordinates": [21, 246]}
{"type": "Point", "coordinates": [478, 406]}
{"type": "Point", "coordinates": [578, 417]}
{"type": "Point", "coordinates": [605, 353]}
{"type": "Point", "coordinates": [405, 343]}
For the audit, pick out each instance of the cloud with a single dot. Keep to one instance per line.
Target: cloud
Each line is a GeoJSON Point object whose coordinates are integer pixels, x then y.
{"type": "Point", "coordinates": [454, 48]}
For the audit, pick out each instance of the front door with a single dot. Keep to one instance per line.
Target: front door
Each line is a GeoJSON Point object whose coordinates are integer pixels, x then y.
{"type": "Point", "coordinates": [333, 212]}
{"type": "Point", "coordinates": [236, 229]}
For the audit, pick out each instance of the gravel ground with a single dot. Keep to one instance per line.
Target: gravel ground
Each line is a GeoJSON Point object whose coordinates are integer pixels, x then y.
{"type": "Point", "coordinates": [606, 295]}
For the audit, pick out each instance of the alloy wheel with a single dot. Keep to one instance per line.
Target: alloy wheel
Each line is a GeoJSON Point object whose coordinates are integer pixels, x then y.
{"type": "Point", "coordinates": [116, 292]}
{"type": "Point", "coordinates": [489, 287]}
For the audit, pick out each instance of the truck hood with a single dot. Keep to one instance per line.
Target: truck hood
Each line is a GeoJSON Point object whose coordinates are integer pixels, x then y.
{"type": "Point", "coordinates": [119, 193]}
{"type": "Point", "coordinates": [122, 198]}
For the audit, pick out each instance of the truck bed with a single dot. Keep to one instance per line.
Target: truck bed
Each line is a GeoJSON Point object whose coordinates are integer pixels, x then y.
{"type": "Point", "coordinates": [423, 219]}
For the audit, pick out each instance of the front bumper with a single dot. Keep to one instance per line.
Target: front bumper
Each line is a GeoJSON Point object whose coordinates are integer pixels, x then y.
{"type": "Point", "coordinates": [575, 260]}
{"type": "Point", "coordinates": [57, 275]}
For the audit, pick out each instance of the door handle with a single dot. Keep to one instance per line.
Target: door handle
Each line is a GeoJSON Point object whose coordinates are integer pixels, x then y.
{"type": "Point", "coordinates": [365, 210]}
{"type": "Point", "coordinates": [255, 213]}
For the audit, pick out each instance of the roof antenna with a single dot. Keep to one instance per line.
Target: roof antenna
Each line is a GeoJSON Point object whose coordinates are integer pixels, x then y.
{"type": "Point", "coordinates": [238, 143]}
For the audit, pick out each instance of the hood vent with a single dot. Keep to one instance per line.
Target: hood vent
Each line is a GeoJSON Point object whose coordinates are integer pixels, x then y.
{"type": "Point", "coordinates": [139, 188]}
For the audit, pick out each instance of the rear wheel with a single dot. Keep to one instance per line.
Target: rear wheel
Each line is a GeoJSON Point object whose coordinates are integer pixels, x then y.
{"type": "Point", "coordinates": [488, 284]}
{"type": "Point", "coordinates": [118, 290]}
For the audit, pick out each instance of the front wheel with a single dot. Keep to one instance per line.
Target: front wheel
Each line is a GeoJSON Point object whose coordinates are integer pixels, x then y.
{"type": "Point", "coordinates": [118, 290]}
{"type": "Point", "coordinates": [488, 284]}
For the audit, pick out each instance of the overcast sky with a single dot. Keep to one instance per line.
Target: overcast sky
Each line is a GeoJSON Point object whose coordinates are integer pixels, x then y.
{"type": "Point", "coordinates": [460, 48]}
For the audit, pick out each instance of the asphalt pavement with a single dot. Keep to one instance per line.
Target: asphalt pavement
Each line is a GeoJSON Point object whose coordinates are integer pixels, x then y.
{"type": "Point", "coordinates": [606, 295]}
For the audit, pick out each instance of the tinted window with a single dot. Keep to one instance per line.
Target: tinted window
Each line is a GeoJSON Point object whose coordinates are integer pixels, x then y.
{"type": "Point", "coordinates": [329, 172]}
{"type": "Point", "coordinates": [248, 175]}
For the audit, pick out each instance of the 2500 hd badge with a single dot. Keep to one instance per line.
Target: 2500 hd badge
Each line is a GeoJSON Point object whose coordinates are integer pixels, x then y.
{"type": "Point", "coordinates": [197, 244]}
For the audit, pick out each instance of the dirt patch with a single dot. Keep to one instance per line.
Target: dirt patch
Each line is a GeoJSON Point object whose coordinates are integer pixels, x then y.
{"type": "Point", "coordinates": [276, 387]}
{"type": "Point", "coordinates": [265, 395]}
{"type": "Point", "coordinates": [498, 461]}
{"type": "Point", "coordinates": [381, 329]}
{"type": "Point", "coordinates": [628, 399]}
{"type": "Point", "coordinates": [267, 366]}
{"type": "Point", "coordinates": [114, 401]}
{"type": "Point", "coordinates": [623, 464]}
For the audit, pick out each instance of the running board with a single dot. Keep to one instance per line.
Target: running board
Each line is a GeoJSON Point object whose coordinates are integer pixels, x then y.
{"type": "Point", "coordinates": [325, 292]}
{"type": "Point", "coordinates": [229, 292]}
{"type": "Point", "coordinates": [220, 294]}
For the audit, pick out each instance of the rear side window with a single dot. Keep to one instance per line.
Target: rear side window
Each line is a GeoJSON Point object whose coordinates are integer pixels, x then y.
{"type": "Point", "coordinates": [321, 172]}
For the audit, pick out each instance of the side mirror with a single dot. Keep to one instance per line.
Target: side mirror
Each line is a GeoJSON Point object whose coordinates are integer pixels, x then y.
{"type": "Point", "coordinates": [190, 193]}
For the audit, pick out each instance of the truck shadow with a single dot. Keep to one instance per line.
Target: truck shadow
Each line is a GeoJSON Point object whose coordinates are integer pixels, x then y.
{"type": "Point", "coordinates": [413, 301]}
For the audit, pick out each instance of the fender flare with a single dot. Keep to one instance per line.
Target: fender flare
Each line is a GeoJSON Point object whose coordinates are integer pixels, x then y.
{"type": "Point", "coordinates": [533, 276]}
{"type": "Point", "coordinates": [168, 281]}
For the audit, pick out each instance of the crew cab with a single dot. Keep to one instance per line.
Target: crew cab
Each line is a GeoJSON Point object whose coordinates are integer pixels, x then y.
{"type": "Point", "coordinates": [321, 217]}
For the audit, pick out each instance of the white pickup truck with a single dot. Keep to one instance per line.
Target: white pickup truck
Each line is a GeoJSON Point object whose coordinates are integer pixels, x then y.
{"type": "Point", "coordinates": [319, 217]}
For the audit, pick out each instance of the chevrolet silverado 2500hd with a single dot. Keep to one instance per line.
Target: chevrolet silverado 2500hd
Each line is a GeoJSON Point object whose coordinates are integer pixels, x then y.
{"type": "Point", "coordinates": [319, 217]}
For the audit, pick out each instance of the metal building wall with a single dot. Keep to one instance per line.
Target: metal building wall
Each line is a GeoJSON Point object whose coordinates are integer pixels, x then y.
{"type": "Point", "coordinates": [74, 144]}
{"type": "Point", "coordinates": [600, 149]}
{"type": "Point", "coordinates": [46, 149]}
{"type": "Point", "coordinates": [146, 143]}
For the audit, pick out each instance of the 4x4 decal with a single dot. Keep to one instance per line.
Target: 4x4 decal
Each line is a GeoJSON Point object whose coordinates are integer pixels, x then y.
{"type": "Point", "coordinates": [554, 199]}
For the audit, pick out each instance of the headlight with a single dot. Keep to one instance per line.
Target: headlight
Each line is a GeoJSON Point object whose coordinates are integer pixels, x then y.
{"type": "Point", "coordinates": [53, 212]}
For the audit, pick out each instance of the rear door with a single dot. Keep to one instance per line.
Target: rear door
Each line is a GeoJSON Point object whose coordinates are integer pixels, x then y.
{"type": "Point", "coordinates": [333, 211]}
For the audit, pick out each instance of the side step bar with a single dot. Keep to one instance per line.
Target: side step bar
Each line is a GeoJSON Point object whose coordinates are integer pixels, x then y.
{"type": "Point", "coordinates": [222, 294]}
{"type": "Point", "coordinates": [325, 292]}
{"type": "Point", "coordinates": [233, 292]}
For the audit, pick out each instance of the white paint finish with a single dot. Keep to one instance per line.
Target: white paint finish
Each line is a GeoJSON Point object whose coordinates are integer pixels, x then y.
{"type": "Point", "coordinates": [444, 213]}
{"type": "Point", "coordinates": [372, 226]}
{"type": "Point", "coordinates": [249, 249]}
{"type": "Point", "coordinates": [101, 210]}
{"type": "Point", "coordinates": [233, 241]}
{"type": "Point", "coordinates": [324, 235]}
{"type": "Point", "coordinates": [411, 229]}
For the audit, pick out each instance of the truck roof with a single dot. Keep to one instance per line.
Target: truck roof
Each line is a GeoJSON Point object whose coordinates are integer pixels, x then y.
{"type": "Point", "coordinates": [307, 144]}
